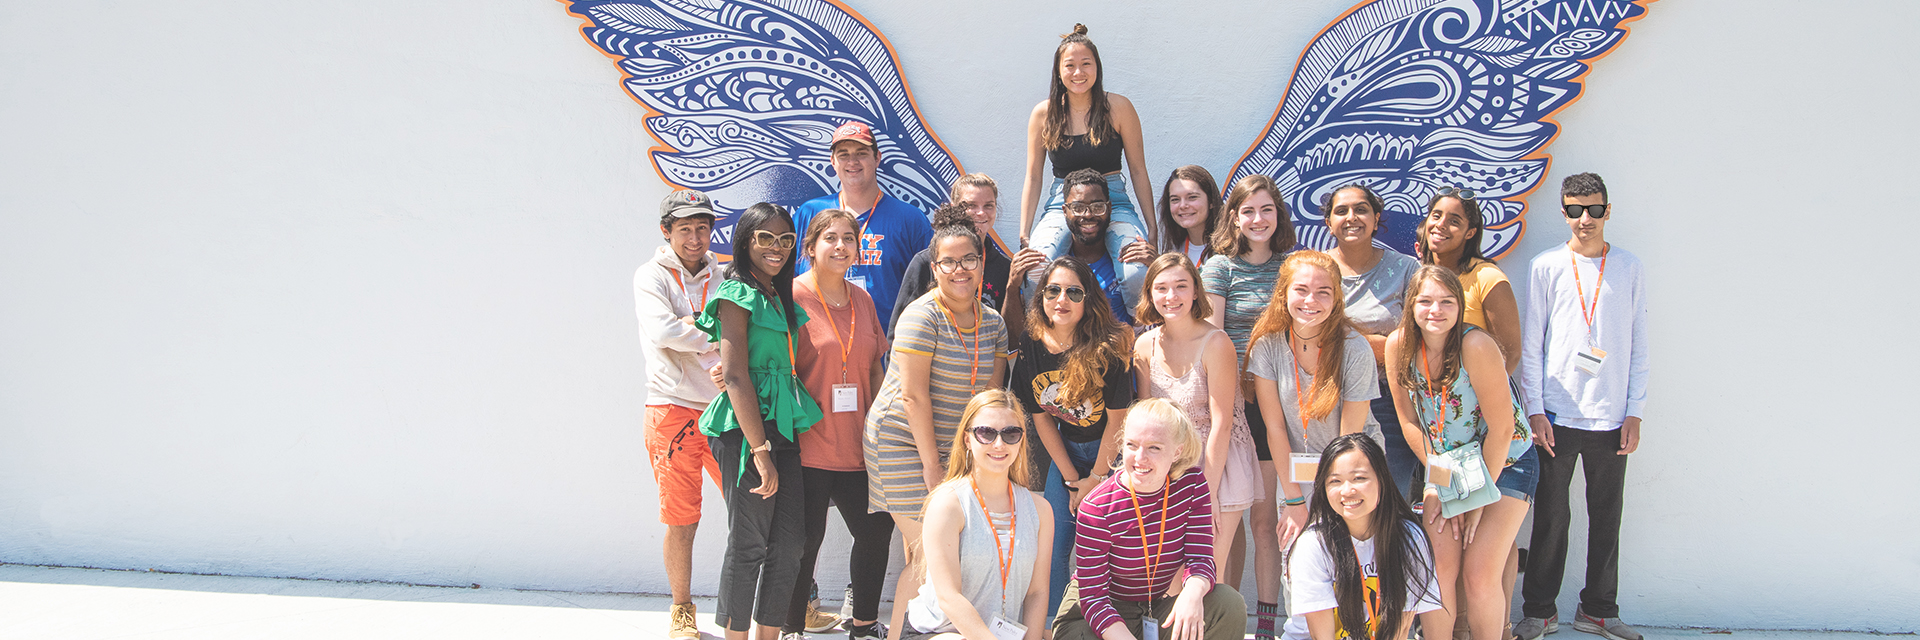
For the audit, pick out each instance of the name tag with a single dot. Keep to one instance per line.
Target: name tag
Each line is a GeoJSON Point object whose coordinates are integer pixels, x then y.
{"type": "Point", "coordinates": [1149, 628]}
{"type": "Point", "coordinates": [1589, 361]}
{"type": "Point", "coordinates": [858, 281]}
{"type": "Point", "coordinates": [846, 398]}
{"type": "Point", "coordinates": [1305, 466]}
{"type": "Point", "coordinates": [1004, 629]}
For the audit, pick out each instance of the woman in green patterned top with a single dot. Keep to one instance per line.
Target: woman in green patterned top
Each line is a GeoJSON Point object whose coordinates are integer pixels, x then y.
{"type": "Point", "coordinates": [1449, 382]}
{"type": "Point", "coordinates": [753, 425]}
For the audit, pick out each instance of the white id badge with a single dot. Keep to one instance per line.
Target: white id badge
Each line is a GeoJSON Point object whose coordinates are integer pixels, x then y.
{"type": "Point", "coordinates": [1149, 628]}
{"type": "Point", "coordinates": [1004, 629]}
{"type": "Point", "coordinates": [858, 281]}
{"type": "Point", "coordinates": [1304, 466]}
{"type": "Point", "coordinates": [1589, 360]}
{"type": "Point", "coordinates": [846, 397]}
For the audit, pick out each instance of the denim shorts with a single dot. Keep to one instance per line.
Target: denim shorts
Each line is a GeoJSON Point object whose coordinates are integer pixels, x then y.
{"type": "Point", "coordinates": [1520, 478]}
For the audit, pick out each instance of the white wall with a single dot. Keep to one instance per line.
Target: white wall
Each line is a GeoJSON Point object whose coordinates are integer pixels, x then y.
{"type": "Point", "coordinates": [341, 290]}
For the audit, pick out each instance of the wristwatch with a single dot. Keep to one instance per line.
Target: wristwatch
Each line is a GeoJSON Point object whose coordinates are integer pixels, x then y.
{"type": "Point", "coordinates": [766, 446]}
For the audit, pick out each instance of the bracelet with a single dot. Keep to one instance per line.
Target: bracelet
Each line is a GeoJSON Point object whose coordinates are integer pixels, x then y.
{"type": "Point", "coordinates": [1294, 502]}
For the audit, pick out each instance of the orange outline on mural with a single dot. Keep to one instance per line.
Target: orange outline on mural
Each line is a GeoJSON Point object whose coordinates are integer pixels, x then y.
{"type": "Point", "coordinates": [1541, 154]}
{"type": "Point", "coordinates": [662, 145]}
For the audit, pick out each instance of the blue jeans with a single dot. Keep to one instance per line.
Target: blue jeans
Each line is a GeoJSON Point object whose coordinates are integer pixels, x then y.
{"type": "Point", "coordinates": [1521, 478]}
{"type": "Point", "coordinates": [1401, 461]}
{"type": "Point", "coordinates": [1050, 235]}
{"type": "Point", "coordinates": [1082, 455]}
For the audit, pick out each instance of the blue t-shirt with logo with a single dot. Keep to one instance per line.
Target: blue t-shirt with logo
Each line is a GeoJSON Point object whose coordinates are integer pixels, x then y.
{"type": "Point", "coordinates": [890, 235]}
{"type": "Point", "coordinates": [1111, 285]}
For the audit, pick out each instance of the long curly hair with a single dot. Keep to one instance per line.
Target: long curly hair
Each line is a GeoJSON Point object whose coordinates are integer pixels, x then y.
{"type": "Point", "coordinates": [1099, 116]}
{"type": "Point", "coordinates": [1097, 340]}
{"type": "Point", "coordinates": [1407, 365]}
{"type": "Point", "coordinates": [1277, 320]}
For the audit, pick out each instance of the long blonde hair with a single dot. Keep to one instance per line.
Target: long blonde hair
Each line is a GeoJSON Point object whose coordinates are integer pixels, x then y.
{"type": "Point", "coordinates": [960, 456]}
{"type": "Point", "coordinates": [1278, 320]}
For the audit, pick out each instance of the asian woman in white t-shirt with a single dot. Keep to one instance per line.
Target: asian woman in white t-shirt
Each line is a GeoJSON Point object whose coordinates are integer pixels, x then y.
{"type": "Point", "coordinates": [1363, 561]}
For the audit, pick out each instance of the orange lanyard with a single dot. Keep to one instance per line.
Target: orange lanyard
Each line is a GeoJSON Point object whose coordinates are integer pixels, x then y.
{"type": "Point", "coordinates": [846, 346]}
{"type": "Point", "coordinates": [687, 296]}
{"type": "Point", "coordinates": [1579, 288]}
{"type": "Point", "coordinates": [973, 354]}
{"type": "Point", "coordinates": [860, 227]}
{"type": "Point", "coordinates": [1003, 558]}
{"type": "Point", "coordinates": [1432, 392]}
{"type": "Point", "coordinates": [1159, 549]}
{"type": "Point", "coordinates": [1299, 388]}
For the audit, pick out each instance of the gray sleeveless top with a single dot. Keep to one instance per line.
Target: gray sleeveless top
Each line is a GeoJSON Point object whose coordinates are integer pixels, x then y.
{"type": "Point", "coordinates": [980, 566]}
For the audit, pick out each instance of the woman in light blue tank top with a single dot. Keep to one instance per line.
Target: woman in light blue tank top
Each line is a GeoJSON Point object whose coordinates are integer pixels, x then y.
{"type": "Point", "coordinates": [1450, 390]}
{"type": "Point", "coordinates": [988, 540]}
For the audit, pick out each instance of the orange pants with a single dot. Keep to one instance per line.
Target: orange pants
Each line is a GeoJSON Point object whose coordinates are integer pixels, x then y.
{"type": "Point", "coordinates": [679, 453]}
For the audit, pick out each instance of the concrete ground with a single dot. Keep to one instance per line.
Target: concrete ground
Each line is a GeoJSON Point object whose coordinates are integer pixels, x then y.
{"type": "Point", "coordinates": [89, 604]}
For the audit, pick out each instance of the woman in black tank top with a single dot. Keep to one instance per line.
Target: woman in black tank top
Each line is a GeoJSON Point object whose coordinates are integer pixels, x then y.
{"type": "Point", "coordinates": [1082, 126]}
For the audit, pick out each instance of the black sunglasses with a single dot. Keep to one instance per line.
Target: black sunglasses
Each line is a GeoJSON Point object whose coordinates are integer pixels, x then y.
{"type": "Point", "coordinates": [1595, 211]}
{"type": "Point", "coordinates": [1009, 435]}
{"type": "Point", "coordinates": [1075, 294]}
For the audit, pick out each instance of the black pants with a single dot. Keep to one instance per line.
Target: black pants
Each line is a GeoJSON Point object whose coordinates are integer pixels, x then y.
{"type": "Point", "coordinates": [1606, 474]}
{"type": "Point", "coordinates": [872, 541]}
{"type": "Point", "coordinates": [764, 535]}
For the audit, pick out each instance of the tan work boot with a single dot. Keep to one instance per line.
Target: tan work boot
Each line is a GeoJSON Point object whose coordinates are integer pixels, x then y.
{"type": "Point", "coordinates": [683, 625]}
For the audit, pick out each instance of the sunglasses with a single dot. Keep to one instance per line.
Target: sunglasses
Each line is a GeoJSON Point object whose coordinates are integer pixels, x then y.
{"type": "Point", "coordinates": [1595, 211]}
{"type": "Point", "coordinates": [1009, 435]}
{"type": "Point", "coordinates": [766, 238]}
{"type": "Point", "coordinates": [1463, 194]}
{"type": "Point", "coordinates": [1075, 294]}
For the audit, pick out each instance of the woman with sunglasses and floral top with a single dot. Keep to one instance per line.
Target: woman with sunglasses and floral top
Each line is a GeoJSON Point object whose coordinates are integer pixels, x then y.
{"type": "Point", "coordinates": [988, 538]}
{"type": "Point", "coordinates": [1450, 236]}
{"type": "Point", "coordinates": [947, 347]}
{"type": "Point", "coordinates": [753, 427]}
{"type": "Point", "coordinates": [1072, 376]}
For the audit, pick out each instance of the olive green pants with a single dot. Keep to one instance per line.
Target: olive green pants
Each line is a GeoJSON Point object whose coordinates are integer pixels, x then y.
{"type": "Point", "coordinates": [1226, 615]}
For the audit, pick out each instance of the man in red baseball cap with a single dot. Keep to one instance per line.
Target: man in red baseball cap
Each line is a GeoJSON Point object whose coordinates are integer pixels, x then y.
{"type": "Point", "coordinates": [891, 231]}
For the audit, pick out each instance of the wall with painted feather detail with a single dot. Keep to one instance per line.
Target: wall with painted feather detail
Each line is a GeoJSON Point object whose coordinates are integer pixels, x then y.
{"type": "Point", "coordinates": [343, 290]}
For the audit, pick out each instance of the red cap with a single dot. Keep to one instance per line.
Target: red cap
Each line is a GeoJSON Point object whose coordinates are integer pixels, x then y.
{"type": "Point", "coordinates": [853, 130]}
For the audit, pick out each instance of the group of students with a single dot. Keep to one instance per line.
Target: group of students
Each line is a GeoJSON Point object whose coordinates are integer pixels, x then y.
{"type": "Point", "coordinates": [1381, 423]}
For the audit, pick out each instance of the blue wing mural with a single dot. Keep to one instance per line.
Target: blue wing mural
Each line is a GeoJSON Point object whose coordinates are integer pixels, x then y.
{"type": "Point", "coordinates": [1410, 96]}
{"type": "Point", "coordinates": [744, 96]}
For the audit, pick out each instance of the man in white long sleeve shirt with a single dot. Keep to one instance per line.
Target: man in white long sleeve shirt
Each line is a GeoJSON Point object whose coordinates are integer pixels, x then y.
{"type": "Point", "coordinates": [669, 291]}
{"type": "Point", "coordinates": [1583, 365]}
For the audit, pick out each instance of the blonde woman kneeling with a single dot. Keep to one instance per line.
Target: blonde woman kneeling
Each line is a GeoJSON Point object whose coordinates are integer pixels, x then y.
{"type": "Point", "coordinates": [988, 540]}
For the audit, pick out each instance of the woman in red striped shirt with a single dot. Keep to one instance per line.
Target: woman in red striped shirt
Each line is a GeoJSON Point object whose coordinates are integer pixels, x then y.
{"type": "Point", "coordinates": [1138, 530]}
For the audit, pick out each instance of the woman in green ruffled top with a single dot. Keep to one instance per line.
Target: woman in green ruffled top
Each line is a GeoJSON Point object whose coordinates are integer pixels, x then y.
{"type": "Point", "coordinates": [752, 426]}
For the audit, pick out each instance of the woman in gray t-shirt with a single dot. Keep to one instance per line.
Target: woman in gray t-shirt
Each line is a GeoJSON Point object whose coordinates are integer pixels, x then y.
{"type": "Point", "coordinates": [1375, 280]}
{"type": "Point", "coordinates": [1304, 341]}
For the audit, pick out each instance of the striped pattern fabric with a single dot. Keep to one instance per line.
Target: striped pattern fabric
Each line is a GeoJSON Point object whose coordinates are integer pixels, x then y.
{"type": "Point", "coordinates": [894, 483]}
{"type": "Point", "coordinates": [1109, 559]}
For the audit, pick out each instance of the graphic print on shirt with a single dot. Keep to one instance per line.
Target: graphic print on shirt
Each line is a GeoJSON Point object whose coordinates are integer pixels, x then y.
{"type": "Point", "coordinates": [870, 248]}
{"type": "Point", "coordinates": [1370, 595]}
{"type": "Point", "coordinates": [1046, 389]}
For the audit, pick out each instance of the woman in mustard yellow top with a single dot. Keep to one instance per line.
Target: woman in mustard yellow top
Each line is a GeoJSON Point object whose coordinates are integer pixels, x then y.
{"type": "Point", "coordinates": [1450, 237]}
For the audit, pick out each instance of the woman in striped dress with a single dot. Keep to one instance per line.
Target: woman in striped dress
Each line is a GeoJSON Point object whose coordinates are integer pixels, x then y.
{"type": "Point", "coordinates": [947, 347]}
